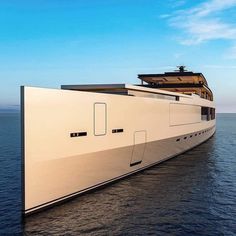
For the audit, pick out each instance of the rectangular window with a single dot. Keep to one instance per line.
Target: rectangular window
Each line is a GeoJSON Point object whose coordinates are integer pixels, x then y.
{"type": "Point", "coordinates": [204, 113]}
{"type": "Point", "coordinates": [213, 115]}
{"type": "Point", "coordinates": [207, 113]}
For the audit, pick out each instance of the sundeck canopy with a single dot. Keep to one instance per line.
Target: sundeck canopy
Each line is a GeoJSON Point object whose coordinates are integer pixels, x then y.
{"type": "Point", "coordinates": [174, 78]}
{"type": "Point", "coordinates": [181, 81]}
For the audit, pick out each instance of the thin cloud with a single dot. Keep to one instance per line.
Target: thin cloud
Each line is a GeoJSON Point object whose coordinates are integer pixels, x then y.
{"type": "Point", "coordinates": [203, 22]}
{"type": "Point", "coordinates": [163, 16]}
{"type": "Point", "coordinates": [231, 54]}
{"type": "Point", "coordinates": [176, 4]}
{"type": "Point", "coordinates": [212, 6]}
{"type": "Point", "coordinates": [178, 55]}
{"type": "Point", "coordinates": [220, 66]}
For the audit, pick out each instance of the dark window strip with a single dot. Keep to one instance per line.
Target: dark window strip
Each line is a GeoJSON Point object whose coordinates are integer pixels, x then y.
{"type": "Point", "coordinates": [135, 163]}
{"type": "Point", "coordinates": [117, 130]}
{"type": "Point", "coordinates": [78, 134]}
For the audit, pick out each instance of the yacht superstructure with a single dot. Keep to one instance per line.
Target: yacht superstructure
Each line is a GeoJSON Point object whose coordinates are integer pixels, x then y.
{"type": "Point", "coordinates": [80, 137]}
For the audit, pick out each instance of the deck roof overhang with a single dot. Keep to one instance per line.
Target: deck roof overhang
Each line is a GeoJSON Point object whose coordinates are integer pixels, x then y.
{"type": "Point", "coordinates": [180, 82]}
{"type": "Point", "coordinates": [174, 78]}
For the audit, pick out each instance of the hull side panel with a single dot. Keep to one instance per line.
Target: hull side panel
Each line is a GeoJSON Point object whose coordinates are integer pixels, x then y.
{"type": "Point", "coordinates": [77, 174]}
{"type": "Point", "coordinates": [59, 163]}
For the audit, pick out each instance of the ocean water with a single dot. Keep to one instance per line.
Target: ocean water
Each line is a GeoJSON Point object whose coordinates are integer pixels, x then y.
{"type": "Point", "coordinates": [192, 194]}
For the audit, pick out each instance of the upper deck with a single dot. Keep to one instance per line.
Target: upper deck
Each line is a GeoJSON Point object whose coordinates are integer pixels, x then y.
{"type": "Point", "coordinates": [181, 81]}
{"type": "Point", "coordinates": [170, 85]}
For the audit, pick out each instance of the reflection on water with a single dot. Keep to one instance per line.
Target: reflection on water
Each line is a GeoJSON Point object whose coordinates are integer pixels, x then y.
{"type": "Point", "coordinates": [193, 194]}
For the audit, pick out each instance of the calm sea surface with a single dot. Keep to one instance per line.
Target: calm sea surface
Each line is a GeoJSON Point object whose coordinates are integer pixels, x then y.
{"type": "Point", "coordinates": [193, 194]}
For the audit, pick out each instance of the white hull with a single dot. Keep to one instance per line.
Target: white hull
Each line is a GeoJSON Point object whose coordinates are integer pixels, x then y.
{"type": "Point", "coordinates": [58, 167]}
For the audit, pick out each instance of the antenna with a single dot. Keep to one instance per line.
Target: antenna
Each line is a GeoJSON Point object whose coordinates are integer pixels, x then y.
{"type": "Point", "coordinates": [181, 69]}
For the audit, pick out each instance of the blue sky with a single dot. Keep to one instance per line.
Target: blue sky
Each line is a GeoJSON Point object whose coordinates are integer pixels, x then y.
{"type": "Point", "coordinates": [49, 43]}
